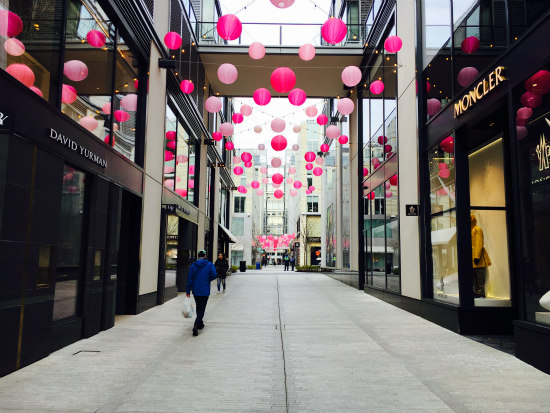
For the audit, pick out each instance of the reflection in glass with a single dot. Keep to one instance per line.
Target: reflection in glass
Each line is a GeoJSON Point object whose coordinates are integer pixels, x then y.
{"type": "Point", "coordinates": [486, 169]}
{"type": "Point", "coordinates": [97, 265]}
{"type": "Point", "coordinates": [378, 239]}
{"type": "Point", "coordinates": [444, 258]}
{"type": "Point", "coordinates": [442, 176]}
{"type": "Point", "coordinates": [170, 130]}
{"type": "Point", "coordinates": [392, 236]}
{"type": "Point", "coordinates": [182, 161]}
{"type": "Point", "coordinates": [436, 17]}
{"type": "Point", "coordinates": [44, 262]}
{"type": "Point", "coordinates": [172, 239]}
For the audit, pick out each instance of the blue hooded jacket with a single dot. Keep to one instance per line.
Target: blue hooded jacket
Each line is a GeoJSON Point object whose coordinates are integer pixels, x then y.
{"type": "Point", "coordinates": [201, 273]}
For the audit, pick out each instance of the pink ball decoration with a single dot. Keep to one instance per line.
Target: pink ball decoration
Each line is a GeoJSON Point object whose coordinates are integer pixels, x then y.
{"type": "Point", "coordinates": [345, 106]}
{"type": "Point", "coordinates": [297, 184]}
{"type": "Point", "coordinates": [393, 44]}
{"type": "Point", "coordinates": [107, 110]}
{"type": "Point", "coordinates": [217, 136]}
{"type": "Point", "coordinates": [213, 104]}
{"type": "Point", "coordinates": [387, 148]}
{"type": "Point", "coordinates": [237, 117]}
{"type": "Point", "coordinates": [261, 96]}
{"type": "Point", "coordinates": [277, 178]}
{"type": "Point", "coordinates": [530, 100]}
{"type": "Point", "coordinates": [467, 75]}
{"type": "Point", "coordinates": [276, 162]}
{"type": "Point", "coordinates": [309, 156]}
{"type": "Point", "coordinates": [169, 170]}
{"type": "Point", "coordinates": [319, 160]}
{"type": "Point", "coordinates": [182, 158]}
{"type": "Point", "coordinates": [444, 173]}
{"type": "Point", "coordinates": [259, 192]}
{"type": "Point", "coordinates": [278, 125]}
{"type": "Point", "coordinates": [255, 184]}
{"type": "Point", "coordinates": [181, 192]}
{"type": "Point", "coordinates": [121, 116]}
{"type": "Point", "coordinates": [238, 170]}
{"type": "Point", "coordinates": [187, 86]}
{"type": "Point", "coordinates": [311, 111]}
{"type": "Point", "coordinates": [365, 171]}
{"type": "Point", "coordinates": [308, 191]}
{"type": "Point", "coordinates": [263, 170]}
{"type": "Point", "coordinates": [168, 155]}
{"type": "Point", "coordinates": [169, 183]}
{"type": "Point", "coordinates": [88, 123]}
{"type": "Point", "coordinates": [68, 94]}
{"type": "Point", "coordinates": [309, 166]}
{"type": "Point", "coordinates": [14, 47]}
{"type": "Point", "coordinates": [322, 119]}
{"type": "Point", "coordinates": [191, 169]}
{"type": "Point", "coordinates": [393, 180]}
{"type": "Point", "coordinates": [246, 110]}
{"type": "Point", "coordinates": [241, 189]}
{"type": "Point", "coordinates": [306, 52]}
{"type": "Point", "coordinates": [351, 76]}
{"type": "Point", "coordinates": [332, 132]}
{"type": "Point", "coordinates": [37, 91]}
{"type": "Point", "coordinates": [334, 30]}
{"type": "Point", "coordinates": [289, 180]}
{"type": "Point", "coordinates": [258, 129]}
{"type": "Point", "coordinates": [521, 122]}
{"type": "Point", "coordinates": [293, 192]}
{"type": "Point", "coordinates": [295, 147]}
{"type": "Point", "coordinates": [256, 51]}
{"type": "Point", "coordinates": [382, 140]}
{"type": "Point", "coordinates": [297, 97]}
{"type": "Point", "coordinates": [371, 195]}
{"type": "Point", "coordinates": [21, 72]}
{"type": "Point", "coordinates": [282, 4]}
{"type": "Point", "coordinates": [10, 24]}
{"type": "Point", "coordinates": [171, 144]}
{"type": "Point", "coordinates": [387, 185]}
{"type": "Point", "coordinates": [246, 156]}
{"type": "Point", "coordinates": [292, 170]}
{"type": "Point", "coordinates": [129, 102]}
{"type": "Point", "coordinates": [278, 143]}
{"type": "Point", "coordinates": [106, 140]}
{"type": "Point", "coordinates": [227, 73]}
{"type": "Point", "coordinates": [521, 132]}
{"type": "Point", "coordinates": [283, 79]}
{"type": "Point", "coordinates": [229, 27]}
{"type": "Point", "coordinates": [191, 183]}
{"type": "Point", "coordinates": [172, 40]}
{"type": "Point", "coordinates": [171, 135]}
{"type": "Point", "coordinates": [539, 83]}
{"type": "Point", "coordinates": [236, 160]}
{"type": "Point", "coordinates": [442, 165]}
{"type": "Point", "coordinates": [470, 44]}
{"type": "Point", "coordinates": [229, 146]}
{"type": "Point", "coordinates": [75, 70]}
{"type": "Point", "coordinates": [343, 139]}
{"type": "Point", "coordinates": [375, 161]}
{"type": "Point", "coordinates": [317, 171]}
{"type": "Point", "coordinates": [278, 194]}
{"type": "Point", "coordinates": [325, 147]}
{"type": "Point", "coordinates": [311, 188]}
{"type": "Point", "coordinates": [376, 87]}
{"type": "Point", "coordinates": [524, 113]}
{"type": "Point", "coordinates": [226, 129]}
{"type": "Point", "coordinates": [248, 164]}
{"type": "Point", "coordinates": [96, 38]}
{"type": "Point", "coordinates": [389, 194]}
{"type": "Point", "coordinates": [261, 146]}
{"type": "Point", "coordinates": [296, 128]}
{"type": "Point", "coordinates": [447, 144]}
{"type": "Point", "coordinates": [433, 105]}
{"type": "Point", "coordinates": [265, 180]}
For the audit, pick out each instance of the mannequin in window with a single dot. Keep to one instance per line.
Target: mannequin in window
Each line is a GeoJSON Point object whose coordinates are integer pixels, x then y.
{"type": "Point", "coordinates": [480, 258]}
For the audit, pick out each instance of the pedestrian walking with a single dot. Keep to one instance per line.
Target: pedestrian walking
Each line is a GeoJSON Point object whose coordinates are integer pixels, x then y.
{"type": "Point", "coordinates": [292, 262]}
{"type": "Point", "coordinates": [201, 273]}
{"type": "Point", "coordinates": [286, 262]}
{"type": "Point", "coordinates": [222, 266]}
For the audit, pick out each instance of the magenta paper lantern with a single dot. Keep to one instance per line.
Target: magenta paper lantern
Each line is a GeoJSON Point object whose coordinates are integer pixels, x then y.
{"type": "Point", "coordinates": [191, 184]}
{"type": "Point", "coordinates": [10, 24]}
{"type": "Point", "coordinates": [261, 146]}
{"type": "Point", "coordinates": [37, 91]}
{"type": "Point", "coordinates": [227, 73]}
{"type": "Point", "coordinates": [311, 188]}
{"type": "Point", "coordinates": [246, 157]}
{"type": "Point", "coordinates": [276, 185]}
{"type": "Point", "coordinates": [467, 75]}
{"type": "Point", "coordinates": [332, 132]}
{"type": "Point", "coordinates": [121, 116]}
{"type": "Point", "coordinates": [248, 164]}
{"type": "Point", "coordinates": [387, 185]}
{"type": "Point", "coordinates": [393, 44]}
{"type": "Point", "coordinates": [88, 123]}
{"type": "Point", "coordinates": [442, 165]}
{"type": "Point", "coordinates": [433, 106]}
{"type": "Point", "coordinates": [241, 189]}
{"type": "Point", "coordinates": [277, 178]}
{"type": "Point", "coordinates": [229, 27]}
{"type": "Point", "coordinates": [375, 161]}
{"type": "Point", "coordinates": [470, 44]}
{"type": "Point", "coordinates": [258, 129]}
{"type": "Point", "coordinates": [306, 52]}
{"type": "Point", "coordinates": [444, 173]}
{"type": "Point", "coordinates": [229, 146]}
{"type": "Point", "coordinates": [343, 139]}
{"type": "Point", "coordinates": [181, 192]}
{"type": "Point", "coordinates": [319, 160]}
{"type": "Point", "coordinates": [172, 40]}
{"type": "Point", "coordinates": [296, 128]}
{"type": "Point", "coordinates": [238, 170]}
{"type": "Point", "coordinates": [376, 87]}
{"type": "Point", "coordinates": [311, 111]}
{"type": "Point", "coordinates": [297, 97]}
{"type": "Point", "coordinates": [521, 121]}
{"type": "Point", "coordinates": [371, 195]}
{"type": "Point", "coordinates": [447, 144]}
{"type": "Point", "coordinates": [317, 171]}
{"type": "Point", "coordinates": [295, 147]}
{"type": "Point", "coordinates": [107, 109]}
{"type": "Point", "coordinates": [292, 170]}
{"type": "Point", "coordinates": [169, 170]}
{"type": "Point", "coordinates": [282, 4]}
{"type": "Point", "coordinates": [309, 156]}
{"type": "Point", "coordinates": [278, 194]}
{"type": "Point", "coordinates": [259, 192]}
{"type": "Point", "coordinates": [14, 47]}
{"type": "Point", "coordinates": [213, 104]}
{"type": "Point", "coordinates": [217, 136]}
{"type": "Point", "coordinates": [261, 96]}
{"type": "Point", "coordinates": [387, 148]}
{"type": "Point", "coordinates": [226, 129]}
{"type": "Point", "coordinates": [96, 38]}
{"type": "Point", "coordinates": [21, 72]}
{"type": "Point", "coordinates": [276, 162]}
{"type": "Point", "coordinates": [539, 83]}
{"type": "Point", "coordinates": [270, 237]}
{"type": "Point", "coordinates": [297, 184]}
{"type": "Point", "coordinates": [256, 51]}
{"type": "Point", "coordinates": [278, 125]}
{"type": "Point", "coordinates": [265, 180]}
{"type": "Point", "coordinates": [171, 135]}
{"type": "Point", "coordinates": [309, 166]}
{"type": "Point", "coordinates": [187, 86]}
{"type": "Point", "coordinates": [68, 94]}
{"type": "Point", "coordinates": [293, 192]}
{"type": "Point", "coordinates": [255, 184]}
{"type": "Point", "coordinates": [345, 106]}
{"type": "Point", "coordinates": [322, 119]}
{"type": "Point", "coordinates": [393, 180]}
{"type": "Point", "coordinates": [246, 110]}
{"type": "Point", "coordinates": [168, 155]}
{"type": "Point", "coordinates": [169, 183]}
{"type": "Point", "coordinates": [382, 140]}
{"type": "Point", "coordinates": [263, 170]}
{"type": "Point", "coordinates": [530, 100]}
{"type": "Point", "coordinates": [389, 194]}
{"type": "Point", "coordinates": [191, 169]}
{"type": "Point", "coordinates": [171, 144]}
{"type": "Point", "coordinates": [278, 143]}
{"type": "Point", "coordinates": [325, 147]}
{"type": "Point", "coordinates": [521, 132]}
{"type": "Point", "coordinates": [237, 117]}
{"type": "Point", "coordinates": [308, 191]}
{"type": "Point", "coordinates": [351, 76]}
{"type": "Point", "coordinates": [236, 160]}
{"type": "Point", "coordinates": [289, 180]}
{"type": "Point", "coordinates": [524, 113]}
{"type": "Point", "coordinates": [283, 79]}
{"type": "Point", "coordinates": [129, 102]}
{"type": "Point", "coordinates": [334, 30]}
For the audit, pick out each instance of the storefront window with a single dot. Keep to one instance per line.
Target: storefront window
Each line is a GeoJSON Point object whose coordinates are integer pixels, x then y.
{"type": "Point", "coordinates": [444, 257]}
{"type": "Point", "coordinates": [436, 19]}
{"type": "Point", "coordinates": [191, 177]}
{"type": "Point", "coordinates": [172, 241]}
{"type": "Point", "coordinates": [524, 14]}
{"type": "Point", "coordinates": [170, 142]}
{"type": "Point", "coordinates": [182, 162]}
{"type": "Point", "coordinates": [442, 176]}
{"type": "Point", "coordinates": [392, 237]}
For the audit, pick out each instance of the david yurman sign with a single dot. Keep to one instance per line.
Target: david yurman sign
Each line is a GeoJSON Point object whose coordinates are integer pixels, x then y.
{"type": "Point", "coordinates": [175, 207]}
{"type": "Point", "coordinates": [481, 90]}
{"type": "Point", "coordinates": [72, 145]}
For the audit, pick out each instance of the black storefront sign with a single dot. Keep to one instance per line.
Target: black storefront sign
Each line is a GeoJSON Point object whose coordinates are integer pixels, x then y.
{"type": "Point", "coordinates": [314, 239]}
{"type": "Point", "coordinates": [411, 210]}
{"type": "Point", "coordinates": [78, 148]}
{"type": "Point", "coordinates": [174, 208]}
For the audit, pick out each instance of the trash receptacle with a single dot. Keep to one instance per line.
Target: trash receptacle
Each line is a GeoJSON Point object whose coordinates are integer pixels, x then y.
{"type": "Point", "coordinates": [242, 266]}
{"type": "Point", "coordinates": [258, 266]}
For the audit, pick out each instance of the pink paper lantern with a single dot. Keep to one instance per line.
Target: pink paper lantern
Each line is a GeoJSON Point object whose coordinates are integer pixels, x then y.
{"type": "Point", "coordinates": [325, 147]}
{"type": "Point", "coordinates": [263, 170]}
{"type": "Point", "coordinates": [265, 180]}
{"type": "Point", "coordinates": [332, 132]}
{"type": "Point", "coordinates": [229, 27]}
{"type": "Point", "coordinates": [37, 91]}
{"type": "Point", "coordinates": [277, 178]}
{"type": "Point", "coordinates": [96, 38]}
{"type": "Point", "coordinates": [278, 194]}
{"type": "Point", "coordinates": [393, 180]}
{"type": "Point", "coordinates": [524, 113]}
{"type": "Point", "coordinates": [256, 51]}
{"type": "Point", "coordinates": [293, 192]}
{"type": "Point", "coordinates": [317, 171]}
{"type": "Point", "coordinates": [172, 40]}
{"type": "Point", "coordinates": [311, 188]}
{"type": "Point", "coordinates": [106, 140]}
{"type": "Point", "coordinates": [278, 143]}
{"type": "Point", "coordinates": [21, 72]}
{"type": "Point", "coordinates": [376, 87]}
{"type": "Point", "coordinates": [297, 184]}
{"type": "Point", "coordinates": [259, 192]}
{"type": "Point", "coordinates": [171, 135]}
{"type": "Point", "coordinates": [289, 180]}
{"type": "Point", "coordinates": [334, 30]}
{"type": "Point", "coordinates": [442, 165]}
{"type": "Point", "coordinates": [282, 4]}
{"type": "Point", "coordinates": [14, 47]}
{"type": "Point", "coordinates": [371, 195]}
{"type": "Point", "coordinates": [191, 169]}
{"type": "Point", "coordinates": [447, 144]}
{"type": "Point", "coordinates": [444, 173]}
{"type": "Point", "coordinates": [169, 183]}
{"type": "Point", "coordinates": [181, 192]}
{"type": "Point", "coordinates": [387, 185]}
{"type": "Point", "coordinates": [467, 75]}
{"type": "Point", "coordinates": [365, 172]}
{"type": "Point", "coordinates": [236, 160]}
{"type": "Point", "coordinates": [343, 139]}
{"type": "Point", "coordinates": [387, 148]}
{"type": "Point", "coordinates": [182, 159]}
{"type": "Point", "coordinates": [107, 109]}
{"type": "Point", "coordinates": [187, 86]}
{"type": "Point", "coordinates": [129, 102]}
{"type": "Point", "coordinates": [530, 100]}
{"type": "Point", "coordinates": [261, 96]}
{"type": "Point", "coordinates": [382, 140]}
{"type": "Point", "coordinates": [306, 52]}
{"type": "Point", "coordinates": [322, 119]}
{"type": "Point", "coordinates": [351, 76]}
{"type": "Point", "coordinates": [227, 73]}
{"type": "Point", "coordinates": [10, 24]}
{"type": "Point", "coordinates": [248, 164]}
{"type": "Point", "coordinates": [309, 156]}
{"type": "Point", "coordinates": [191, 184]}
{"type": "Point", "coordinates": [521, 122]}
{"type": "Point", "coordinates": [297, 97]}
{"type": "Point", "coordinates": [246, 156]}
{"type": "Point", "coordinates": [213, 104]}
{"type": "Point", "coordinates": [261, 146]}
{"type": "Point", "coordinates": [433, 106]}
{"type": "Point", "coordinates": [296, 128]}
{"type": "Point", "coordinates": [217, 136]}
{"type": "Point", "coordinates": [539, 83]}
{"type": "Point", "coordinates": [121, 116]}
{"type": "Point", "coordinates": [237, 117]}
{"type": "Point", "coordinates": [226, 129]}
{"type": "Point", "coordinates": [68, 94]}
{"type": "Point", "coordinates": [276, 162]}
{"type": "Point", "coordinates": [319, 160]}
{"type": "Point", "coordinates": [308, 191]}
{"type": "Point", "coordinates": [292, 170]}
{"type": "Point", "coordinates": [375, 161]}
{"type": "Point", "coordinates": [238, 170]}
{"type": "Point", "coordinates": [255, 184]}
{"type": "Point", "coordinates": [283, 79]}
{"type": "Point", "coordinates": [241, 189]}
{"type": "Point", "coordinates": [389, 194]}
{"type": "Point", "coordinates": [470, 44]}
{"type": "Point", "coordinates": [345, 106]}
{"type": "Point", "coordinates": [295, 147]}
{"type": "Point", "coordinates": [168, 155]}
{"type": "Point", "coordinates": [309, 166]}
{"type": "Point", "coordinates": [393, 44]}
{"type": "Point", "coordinates": [521, 132]}
{"type": "Point", "coordinates": [75, 70]}
{"type": "Point", "coordinates": [229, 146]}
{"type": "Point", "coordinates": [278, 125]}
{"type": "Point", "coordinates": [258, 129]}
{"type": "Point", "coordinates": [311, 111]}
{"type": "Point", "coordinates": [246, 110]}
{"type": "Point", "coordinates": [88, 123]}
{"type": "Point", "coordinates": [169, 170]}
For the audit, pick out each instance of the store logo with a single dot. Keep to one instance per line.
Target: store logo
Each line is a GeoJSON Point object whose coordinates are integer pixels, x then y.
{"type": "Point", "coordinates": [543, 153]}
{"type": "Point", "coordinates": [3, 117]}
{"type": "Point", "coordinates": [72, 145]}
{"type": "Point", "coordinates": [480, 91]}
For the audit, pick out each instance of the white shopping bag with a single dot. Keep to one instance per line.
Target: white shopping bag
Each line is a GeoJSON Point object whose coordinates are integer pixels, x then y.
{"type": "Point", "coordinates": [188, 310]}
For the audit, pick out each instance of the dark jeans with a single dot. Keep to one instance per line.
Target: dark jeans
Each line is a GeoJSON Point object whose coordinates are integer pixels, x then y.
{"type": "Point", "coordinates": [221, 280]}
{"type": "Point", "coordinates": [200, 301]}
{"type": "Point", "coordinates": [286, 266]}
{"type": "Point", "coordinates": [479, 281]}
{"type": "Point", "coordinates": [292, 264]}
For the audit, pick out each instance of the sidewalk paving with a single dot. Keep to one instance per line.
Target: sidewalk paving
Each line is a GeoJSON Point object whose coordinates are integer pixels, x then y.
{"type": "Point", "coordinates": [344, 351]}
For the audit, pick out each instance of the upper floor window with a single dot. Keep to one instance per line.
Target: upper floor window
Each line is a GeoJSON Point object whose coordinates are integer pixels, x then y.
{"type": "Point", "coordinates": [239, 204]}
{"type": "Point", "coordinates": [312, 203]}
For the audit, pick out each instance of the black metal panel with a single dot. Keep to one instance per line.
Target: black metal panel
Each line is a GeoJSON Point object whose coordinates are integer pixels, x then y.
{"type": "Point", "coordinates": [150, 6]}
{"type": "Point", "coordinates": [532, 344]}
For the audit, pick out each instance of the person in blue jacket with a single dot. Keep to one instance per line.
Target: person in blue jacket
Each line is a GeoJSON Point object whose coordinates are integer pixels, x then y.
{"type": "Point", "coordinates": [201, 273]}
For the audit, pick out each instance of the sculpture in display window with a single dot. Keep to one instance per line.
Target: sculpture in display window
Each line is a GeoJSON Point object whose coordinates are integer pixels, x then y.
{"type": "Point", "coordinates": [480, 259]}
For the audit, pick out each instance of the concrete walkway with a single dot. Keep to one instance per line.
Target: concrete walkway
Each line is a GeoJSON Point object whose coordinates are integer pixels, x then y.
{"type": "Point", "coordinates": [278, 342]}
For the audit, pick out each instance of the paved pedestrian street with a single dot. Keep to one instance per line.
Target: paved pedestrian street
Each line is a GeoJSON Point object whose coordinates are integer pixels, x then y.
{"type": "Point", "coordinates": [278, 342]}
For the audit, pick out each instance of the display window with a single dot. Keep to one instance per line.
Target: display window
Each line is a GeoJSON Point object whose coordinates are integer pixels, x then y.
{"type": "Point", "coordinates": [172, 226]}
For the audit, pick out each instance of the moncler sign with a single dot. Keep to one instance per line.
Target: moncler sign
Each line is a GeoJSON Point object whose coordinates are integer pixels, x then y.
{"type": "Point", "coordinates": [72, 145]}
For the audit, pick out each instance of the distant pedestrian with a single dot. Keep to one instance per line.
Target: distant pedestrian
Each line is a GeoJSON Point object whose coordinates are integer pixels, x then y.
{"type": "Point", "coordinates": [286, 262]}
{"type": "Point", "coordinates": [292, 262]}
{"type": "Point", "coordinates": [222, 266]}
{"type": "Point", "coordinates": [201, 273]}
